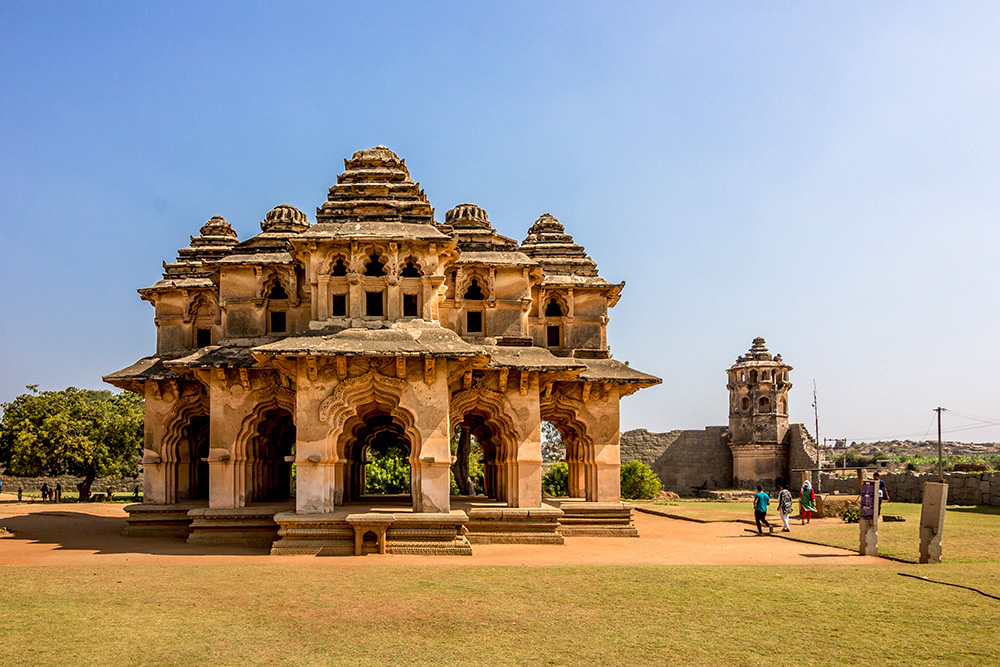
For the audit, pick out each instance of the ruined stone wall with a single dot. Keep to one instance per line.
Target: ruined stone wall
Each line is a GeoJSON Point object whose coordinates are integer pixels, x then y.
{"type": "Point", "coordinates": [683, 460]}
{"type": "Point", "coordinates": [964, 488]}
{"type": "Point", "coordinates": [801, 451]}
{"type": "Point", "coordinates": [69, 482]}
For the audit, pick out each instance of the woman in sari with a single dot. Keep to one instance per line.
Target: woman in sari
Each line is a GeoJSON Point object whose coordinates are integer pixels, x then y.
{"type": "Point", "coordinates": [807, 502]}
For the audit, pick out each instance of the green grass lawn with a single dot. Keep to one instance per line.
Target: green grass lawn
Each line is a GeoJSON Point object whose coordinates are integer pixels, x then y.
{"type": "Point", "coordinates": [971, 534]}
{"type": "Point", "coordinates": [390, 614]}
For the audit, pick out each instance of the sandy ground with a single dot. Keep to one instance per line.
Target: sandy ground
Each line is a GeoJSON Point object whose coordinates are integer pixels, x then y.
{"type": "Point", "coordinates": [90, 534]}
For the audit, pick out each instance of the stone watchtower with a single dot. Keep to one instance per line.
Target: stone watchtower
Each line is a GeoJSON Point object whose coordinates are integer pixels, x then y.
{"type": "Point", "coordinates": [758, 417]}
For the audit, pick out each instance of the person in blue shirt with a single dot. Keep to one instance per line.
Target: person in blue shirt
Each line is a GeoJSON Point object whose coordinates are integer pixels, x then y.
{"type": "Point", "coordinates": [760, 509]}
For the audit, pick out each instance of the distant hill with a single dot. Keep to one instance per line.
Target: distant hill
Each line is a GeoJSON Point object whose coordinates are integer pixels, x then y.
{"type": "Point", "coordinates": [920, 448]}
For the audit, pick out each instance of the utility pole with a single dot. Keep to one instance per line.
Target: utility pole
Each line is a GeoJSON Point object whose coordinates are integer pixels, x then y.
{"type": "Point", "coordinates": [940, 448]}
{"type": "Point", "coordinates": [819, 473]}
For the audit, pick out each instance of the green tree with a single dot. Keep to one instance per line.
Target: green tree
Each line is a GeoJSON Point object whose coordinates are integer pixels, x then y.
{"type": "Point", "coordinates": [388, 468]}
{"type": "Point", "coordinates": [555, 482]}
{"type": "Point", "coordinates": [74, 431]}
{"type": "Point", "coordinates": [639, 481]}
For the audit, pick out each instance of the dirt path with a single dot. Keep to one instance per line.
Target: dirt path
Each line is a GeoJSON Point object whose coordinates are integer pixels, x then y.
{"type": "Point", "coordinates": [89, 534]}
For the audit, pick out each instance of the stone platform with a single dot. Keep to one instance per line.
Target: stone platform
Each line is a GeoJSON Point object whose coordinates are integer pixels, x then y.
{"type": "Point", "coordinates": [160, 520]}
{"type": "Point", "coordinates": [251, 526]}
{"type": "Point", "coordinates": [383, 525]}
{"type": "Point", "coordinates": [360, 529]}
{"type": "Point", "coordinates": [582, 518]}
{"type": "Point", "coordinates": [495, 523]}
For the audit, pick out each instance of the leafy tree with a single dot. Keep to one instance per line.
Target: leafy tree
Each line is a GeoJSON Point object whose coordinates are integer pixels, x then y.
{"type": "Point", "coordinates": [388, 468]}
{"type": "Point", "coordinates": [639, 481]}
{"type": "Point", "coordinates": [555, 482]}
{"type": "Point", "coordinates": [74, 431]}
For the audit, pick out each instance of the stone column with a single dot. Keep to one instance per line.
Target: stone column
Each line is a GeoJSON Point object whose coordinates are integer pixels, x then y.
{"type": "Point", "coordinates": [932, 521]}
{"type": "Point", "coordinates": [524, 483]}
{"type": "Point", "coordinates": [430, 467]}
{"type": "Point", "coordinates": [605, 477]}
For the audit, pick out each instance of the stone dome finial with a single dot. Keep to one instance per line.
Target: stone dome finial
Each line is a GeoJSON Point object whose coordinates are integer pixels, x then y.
{"type": "Point", "coordinates": [217, 226]}
{"type": "Point", "coordinates": [285, 218]}
{"type": "Point", "coordinates": [378, 154]}
{"type": "Point", "coordinates": [467, 215]}
{"type": "Point", "coordinates": [548, 242]}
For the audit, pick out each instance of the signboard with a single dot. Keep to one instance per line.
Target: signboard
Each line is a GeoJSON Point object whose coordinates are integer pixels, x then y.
{"type": "Point", "coordinates": [868, 490]}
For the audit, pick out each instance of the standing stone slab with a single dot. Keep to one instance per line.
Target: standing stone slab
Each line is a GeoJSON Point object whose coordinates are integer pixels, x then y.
{"type": "Point", "coordinates": [932, 521]}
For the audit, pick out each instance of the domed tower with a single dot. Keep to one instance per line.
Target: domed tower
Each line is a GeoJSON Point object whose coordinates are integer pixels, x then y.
{"type": "Point", "coordinates": [758, 417]}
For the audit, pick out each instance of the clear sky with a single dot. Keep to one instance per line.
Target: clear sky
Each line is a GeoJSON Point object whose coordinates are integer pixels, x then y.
{"type": "Point", "coordinates": [824, 175]}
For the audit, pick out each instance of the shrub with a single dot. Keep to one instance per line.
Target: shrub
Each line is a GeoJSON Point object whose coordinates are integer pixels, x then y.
{"type": "Point", "coordinates": [639, 481]}
{"type": "Point", "coordinates": [851, 514]}
{"type": "Point", "coordinates": [555, 483]}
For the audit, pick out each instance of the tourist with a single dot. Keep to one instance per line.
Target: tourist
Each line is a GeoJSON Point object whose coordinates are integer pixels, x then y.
{"type": "Point", "coordinates": [45, 492]}
{"type": "Point", "coordinates": [784, 506]}
{"type": "Point", "coordinates": [883, 492]}
{"type": "Point", "coordinates": [19, 492]}
{"type": "Point", "coordinates": [760, 510]}
{"type": "Point", "coordinates": [807, 502]}
{"type": "Point", "coordinates": [135, 493]}
{"type": "Point", "coordinates": [58, 492]}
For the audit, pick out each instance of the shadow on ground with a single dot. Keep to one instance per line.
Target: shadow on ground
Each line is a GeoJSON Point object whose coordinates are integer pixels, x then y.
{"type": "Point", "coordinates": [81, 531]}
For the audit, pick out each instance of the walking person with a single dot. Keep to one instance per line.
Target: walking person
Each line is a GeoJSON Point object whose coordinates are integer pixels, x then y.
{"type": "Point", "coordinates": [807, 502]}
{"type": "Point", "coordinates": [19, 492]}
{"type": "Point", "coordinates": [784, 506]}
{"type": "Point", "coordinates": [58, 492]}
{"type": "Point", "coordinates": [45, 491]}
{"type": "Point", "coordinates": [883, 492]}
{"type": "Point", "coordinates": [760, 502]}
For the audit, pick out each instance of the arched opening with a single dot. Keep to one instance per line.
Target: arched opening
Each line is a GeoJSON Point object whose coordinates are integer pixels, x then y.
{"type": "Point", "coordinates": [764, 404]}
{"type": "Point", "coordinates": [753, 377]}
{"type": "Point", "coordinates": [487, 463]}
{"type": "Point", "coordinates": [553, 309]}
{"type": "Point", "coordinates": [277, 292]}
{"type": "Point", "coordinates": [270, 456]}
{"type": "Point", "coordinates": [765, 376]}
{"type": "Point", "coordinates": [192, 463]}
{"type": "Point", "coordinates": [475, 292]}
{"type": "Point", "coordinates": [339, 268]}
{"type": "Point", "coordinates": [782, 408]}
{"type": "Point", "coordinates": [378, 456]}
{"type": "Point", "coordinates": [375, 267]}
{"type": "Point", "coordinates": [577, 481]}
{"type": "Point", "coordinates": [468, 473]}
{"type": "Point", "coordinates": [410, 271]}
{"type": "Point", "coordinates": [745, 403]}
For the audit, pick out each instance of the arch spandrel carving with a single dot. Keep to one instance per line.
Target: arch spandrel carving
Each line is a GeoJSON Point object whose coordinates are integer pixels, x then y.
{"type": "Point", "coordinates": [340, 410]}
{"type": "Point", "coordinates": [186, 408]}
{"type": "Point", "coordinates": [493, 404]}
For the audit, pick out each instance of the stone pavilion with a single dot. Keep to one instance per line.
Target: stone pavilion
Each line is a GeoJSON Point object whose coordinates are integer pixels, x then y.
{"type": "Point", "coordinates": [283, 361]}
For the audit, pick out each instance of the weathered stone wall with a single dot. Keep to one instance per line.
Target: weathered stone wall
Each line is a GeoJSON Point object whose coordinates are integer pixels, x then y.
{"type": "Point", "coordinates": [101, 484]}
{"type": "Point", "coordinates": [683, 460]}
{"type": "Point", "coordinates": [963, 488]}
{"type": "Point", "coordinates": [801, 451]}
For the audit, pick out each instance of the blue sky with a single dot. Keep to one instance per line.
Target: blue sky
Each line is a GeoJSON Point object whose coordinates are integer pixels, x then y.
{"type": "Point", "coordinates": [820, 174]}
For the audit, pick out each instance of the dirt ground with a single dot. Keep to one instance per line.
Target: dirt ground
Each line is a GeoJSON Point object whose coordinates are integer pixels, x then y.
{"type": "Point", "coordinates": [90, 534]}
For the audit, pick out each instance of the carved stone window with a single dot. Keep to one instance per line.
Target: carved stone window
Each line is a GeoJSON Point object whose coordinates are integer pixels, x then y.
{"type": "Point", "coordinates": [339, 268]}
{"type": "Point", "coordinates": [410, 308]}
{"type": "Point", "coordinates": [373, 304]}
{"type": "Point", "coordinates": [745, 403]}
{"type": "Point", "coordinates": [277, 292]}
{"type": "Point", "coordinates": [553, 334]}
{"type": "Point", "coordinates": [474, 322]}
{"type": "Point", "coordinates": [475, 292]}
{"type": "Point", "coordinates": [764, 404]}
{"type": "Point", "coordinates": [553, 309]}
{"type": "Point", "coordinates": [339, 305]}
{"type": "Point", "coordinates": [410, 271]}
{"type": "Point", "coordinates": [375, 266]}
